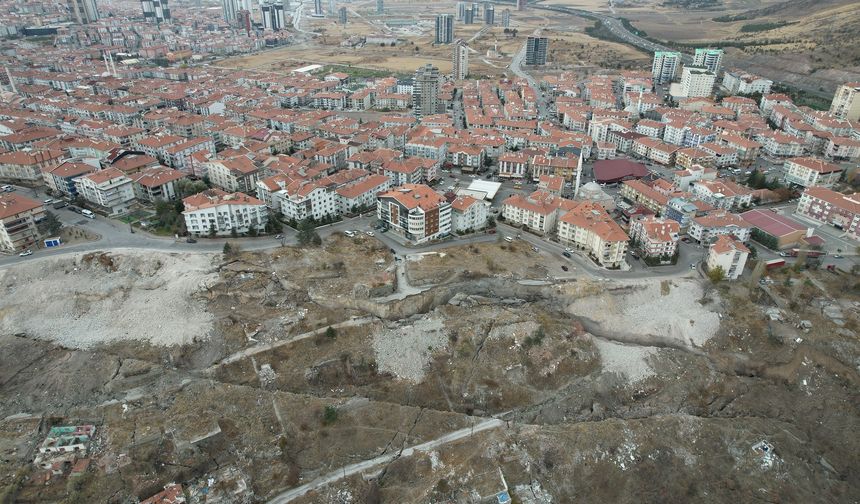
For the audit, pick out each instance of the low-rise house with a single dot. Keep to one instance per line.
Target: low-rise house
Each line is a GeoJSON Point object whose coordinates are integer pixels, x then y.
{"type": "Point", "coordinates": [588, 227]}
{"type": "Point", "coordinates": [220, 213]}
{"type": "Point", "coordinates": [109, 189]}
{"type": "Point", "coordinates": [728, 254]}
{"type": "Point", "coordinates": [18, 218]}
{"type": "Point", "coordinates": [811, 172]}
{"type": "Point", "coordinates": [468, 214]}
{"type": "Point", "coordinates": [655, 236]}
{"type": "Point", "coordinates": [415, 211]}
{"type": "Point", "coordinates": [64, 444]}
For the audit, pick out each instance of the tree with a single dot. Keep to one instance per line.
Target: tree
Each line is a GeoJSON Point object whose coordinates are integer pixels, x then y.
{"type": "Point", "coordinates": [307, 234]}
{"type": "Point", "coordinates": [491, 222]}
{"type": "Point", "coordinates": [331, 332]}
{"type": "Point", "coordinates": [329, 415]}
{"type": "Point", "coordinates": [51, 225]}
{"type": "Point", "coordinates": [717, 274]}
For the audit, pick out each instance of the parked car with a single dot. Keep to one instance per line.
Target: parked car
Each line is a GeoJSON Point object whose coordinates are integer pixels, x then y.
{"type": "Point", "coordinates": [74, 209]}
{"type": "Point", "coordinates": [566, 254]}
{"type": "Point", "coordinates": [535, 249]}
{"type": "Point", "coordinates": [88, 214]}
{"type": "Point", "coordinates": [7, 188]}
{"type": "Point", "coordinates": [369, 233]}
{"type": "Point", "coordinates": [279, 236]}
{"type": "Point", "coordinates": [837, 256]}
{"type": "Point", "coordinates": [26, 253]}
{"type": "Point", "coordinates": [190, 239]}
{"type": "Point", "coordinates": [564, 268]}
{"type": "Point", "coordinates": [60, 204]}
{"type": "Point", "coordinates": [508, 239]}
{"type": "Point", "coordinates": [349, 233]}
{"type": "Point", "coordinates": [48, 201]}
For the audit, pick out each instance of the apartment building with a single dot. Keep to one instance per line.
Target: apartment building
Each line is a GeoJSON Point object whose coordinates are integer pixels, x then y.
{"type": "Point", "coordinates": [697, 82]}
{"type": "Point", "coordinates": [18, 217]}
{"type": "Point", "coordinates": [238, 174]}
{"type": "Point", "coordinates": [159, 183]}
{"type": "Point", "coordinates": [61, 178]}
{"type": "Point", "coordinates": [728, 254]}
{"type": "Point", "coordinates": [588, 227]}
{"type": "Point", "coordinates": [218, 212]}
{"type": "Point", "coordinates": [811, 172]}
{"type": "Point", "coordinates": [109, 189]}
{"type": "Point", "coordinates": [513, 165]}
{"type": "Point", "coordinates": [641, 193]}
{"type": "Point", "coordinates": [27, 166]}
{"type": "Point", "coordinates": [846, 102]}
{"type": "Point", "coordinates": [539, 211]}
{"type": "Point", "coordinates": [665, 66]}
{"type": "Point", "coordinates": [826, 206]}
{"type": "Point", "coordinates": [362, 193]}
{"type": "Point", "coordinates": [415, 211]}
{"type": "Point", "coordinates": [468, 214]}
{"type": "Point", "coordinates": [708, 227]}
{"type": "Point", "coordinates": [655, 236]}
{"type": "Point", "coordinates": [721, 193]}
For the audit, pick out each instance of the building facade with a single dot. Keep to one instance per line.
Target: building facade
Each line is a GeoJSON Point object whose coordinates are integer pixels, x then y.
{"type": "Point", "coordinates": [220, 213]}
{"type": "Point", "coordinates": [18, 218]}
{"type": "Point", "coordinates": [665, 66]}
{"type": "Point", "coordinates": [536, 49]}
{"type": "Point", "coordinates": [415, 211]}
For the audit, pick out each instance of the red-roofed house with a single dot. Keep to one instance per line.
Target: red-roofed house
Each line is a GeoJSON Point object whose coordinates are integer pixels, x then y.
{"type": "Point", "coordinates": [539, 211]}
{"type": "Point", "coordinates": [238, 174]}
{"type": "Point", "coordinates": [172, 494]}
{"type": "Point", "coordinates": [362, 193]}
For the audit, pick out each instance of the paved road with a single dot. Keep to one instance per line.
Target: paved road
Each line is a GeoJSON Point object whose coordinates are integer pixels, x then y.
{"type": "Point", "coordinates": [366, 465]}
{"type": "Point", "coordinates": [516, 67]}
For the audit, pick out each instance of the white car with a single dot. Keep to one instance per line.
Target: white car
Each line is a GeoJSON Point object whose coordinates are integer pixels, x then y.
{"type": "Point", "coordinates": [48, 201]}
{"type": "Point", "coordinates": [26, 253]}
{"type": "Point", "coordinates": [369, 233]}
{"type": "Point", "coordinates": [349, 233]}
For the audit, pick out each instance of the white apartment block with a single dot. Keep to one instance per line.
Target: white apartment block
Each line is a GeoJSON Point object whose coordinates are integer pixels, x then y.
{"type": "Point", "coordinates": [109, 189]}
{"type": "Point", "coordinates": [697, 82]}
{"type": "Point", "coordinates": [468, 214]}
{"type": "Point", "coordinates": [811, 172]}
{"type": "Point", "coordinates": [219, 212]}
{"type": "Point", "coordinates": [846, 102]}
{"type": "Point", "coordinates": [728, 254]}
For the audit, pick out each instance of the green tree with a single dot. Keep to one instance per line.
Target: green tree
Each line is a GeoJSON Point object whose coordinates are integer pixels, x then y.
{"type": "Point", "coordinates": [307, 234]}
{"type": "Point", "coordinates": [717, 274]}
{"type": "Point", "coordinates": [331, 332]}
{"type": "Point", "coordinates": [329, 415]}
{"type": "Point", "coordinates": [50, 226]}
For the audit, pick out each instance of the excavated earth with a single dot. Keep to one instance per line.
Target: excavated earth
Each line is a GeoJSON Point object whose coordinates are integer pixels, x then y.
{"type": "Point", "coordinates": [281, 369]}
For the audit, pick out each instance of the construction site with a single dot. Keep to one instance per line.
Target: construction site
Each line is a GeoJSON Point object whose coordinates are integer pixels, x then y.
{"type": "Point", "coordinates": [343, 374]}
{"type": "Point", "coordinates": [402, 39]}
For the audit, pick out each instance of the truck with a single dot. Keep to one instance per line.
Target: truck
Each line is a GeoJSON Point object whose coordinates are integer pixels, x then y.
{"type": "Point", "coordinates": [774, 263]}
{"type": "Point", "coordinates": [809, 253]}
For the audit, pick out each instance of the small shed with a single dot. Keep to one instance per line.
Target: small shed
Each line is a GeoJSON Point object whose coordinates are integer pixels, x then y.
{"type": "Point", "coordinates": [53, 242]}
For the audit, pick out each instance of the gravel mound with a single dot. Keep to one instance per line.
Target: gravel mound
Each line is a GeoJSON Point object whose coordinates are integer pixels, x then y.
{"type": "Point", "coordinates": [628, 361]}
{"type": "Point", "coordinates": [83, 300]}
{"type": "Point", "coordinates": [406, 351]}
